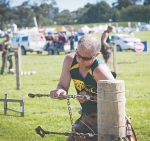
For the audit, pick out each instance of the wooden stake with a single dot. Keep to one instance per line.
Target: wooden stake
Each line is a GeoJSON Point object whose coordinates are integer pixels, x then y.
{"type": "Point", "coordinates": [18, 67]}
{"type": "Point", "coordinates": [5, 105]}
{"type": "Point", "coordinates": [111, 110]}
{"type": "Point", "coordinates": [115, 58]}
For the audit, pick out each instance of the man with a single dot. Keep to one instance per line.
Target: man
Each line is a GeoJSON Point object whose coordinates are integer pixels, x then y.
{"type": "Point", "coordinates": [107, 47]}
{"type": "Point", "coordinates": [71, 39]}
{"type": "Point", "coordinates": [85, 69]}
{"type": "Point", "coordinates": [131, 33]}
{"type": "Point", "coordinates": [6, 48]}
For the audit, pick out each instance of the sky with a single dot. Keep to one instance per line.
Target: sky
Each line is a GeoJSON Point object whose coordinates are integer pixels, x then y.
{"type": "Point", "coordinates": [71, 5]}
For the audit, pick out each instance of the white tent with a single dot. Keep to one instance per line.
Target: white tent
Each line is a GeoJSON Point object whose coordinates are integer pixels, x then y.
{"type": "Point", "coordinates": [27, 31]}
{"type": "Point", "coordinates": [148, 26]}
{"type": "Point", "coordinates": [85, 29]}
{"type": "Point", "coordinates": [49, 30]}
{"type": "Point", "coordinates": [95, 29]}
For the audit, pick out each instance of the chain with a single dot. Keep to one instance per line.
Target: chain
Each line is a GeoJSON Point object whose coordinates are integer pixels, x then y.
{"type": "Point", "coordinates": [71, 119]}
{"type": "Point", "coordinates": [73, 134]}
{"type": "Point", "coordinates": [42, 133]}
{"type": "Point", "coordinates": [86, 97]}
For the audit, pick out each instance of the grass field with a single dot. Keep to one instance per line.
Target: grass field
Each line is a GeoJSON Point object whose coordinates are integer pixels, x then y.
{"type": "Point", "coordinates": [52, 115]}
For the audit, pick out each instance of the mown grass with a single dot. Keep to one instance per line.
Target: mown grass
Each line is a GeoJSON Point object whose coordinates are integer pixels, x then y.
{"type": "Point", "coordinates": [52, 115]}
{"type": "Point", "coordinates": [123, 24]}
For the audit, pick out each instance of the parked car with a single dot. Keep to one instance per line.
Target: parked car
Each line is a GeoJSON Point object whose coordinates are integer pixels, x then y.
{"type": "Point", "coordinates": [125, 42]}
{"type": "Point", "coordinates": [2, 34]}
{"type": "Point", "coordinates": [29, 43]}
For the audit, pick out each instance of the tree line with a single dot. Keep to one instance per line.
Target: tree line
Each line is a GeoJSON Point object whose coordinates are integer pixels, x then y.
{"type": "Point", "coordinates": [47, 13]}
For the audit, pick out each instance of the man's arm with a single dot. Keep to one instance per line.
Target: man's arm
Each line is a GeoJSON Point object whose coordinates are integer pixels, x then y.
{"type": "Point", "coordinates": [14, 48]}
{"type": "Point", "coordinates": [3, 47]}
{"type": "Point", "coordinates": [104, 39]}
{"type": "Point", "coordinates": [102, 72]}
{"type": "Point", "coordinates": [65, 78]}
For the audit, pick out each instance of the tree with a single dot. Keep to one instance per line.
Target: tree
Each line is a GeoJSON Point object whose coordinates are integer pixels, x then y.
{"type": "Point", "coordinates": [52, 2]}
{"type": "Point", "coordinates": [7, 2]}
{"type": "Point", "coordinates": [4, 9]}
{"type": "Point", "coordinates": [45, 11]}
{"type": "Point", "coordinates": [135, 13]}
{"type": "Point", "coordinates": [124, 3]}
{"type": "Point", "coordinates": [65, 17]}
{"type": "Point", "coordinates": [101, 12]}
{"type": "Point", "coordinates": [146, 2]}
{"type": "Point", "coordinates": [24, 15]}
{"type": "Point", "coordinates": [81, 12]}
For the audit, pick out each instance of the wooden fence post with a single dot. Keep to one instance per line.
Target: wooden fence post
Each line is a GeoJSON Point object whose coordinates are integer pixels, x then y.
{"type": "Point", "coordinates": [111, 110]}
{"type": "Point", "coordinates": [18, 67]}
{"type": "Point", "coordinates": [22, 106]}
{"type": "Point", "coordinates": [115, 58]}
{"type": "Point", "coordinates": [5, 104]}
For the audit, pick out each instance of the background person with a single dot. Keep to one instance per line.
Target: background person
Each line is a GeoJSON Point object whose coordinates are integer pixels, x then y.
{"type": "Point", "coordinates": [49, 41]}
{"type": "Point", "coordinates": [85, 69]}
{"type": "Point", "coordinates": [6, 56]}
{"type": "Point", "coordinates": [64, 39]}
{"type": "Point", "coordinates": [131, 33]}
{"type": "Point", "coordinates": [71, 38]}
{"type": "Point", "coordinates": [61, 40]}
{"type": "Point", "coordinates": [107, 46]}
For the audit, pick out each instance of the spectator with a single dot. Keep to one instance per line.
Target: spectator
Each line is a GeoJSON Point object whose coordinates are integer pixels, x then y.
{"type": "Point", "coordinates": [76, 38]}
{"type": "Point", "coordinates": [6, 56]}
{"type": "Point", "coordinates": [50, 39]}
{"type": "Point", "coordinates": [131, 33]}
{"type": "Point", "coordinates": [60, 41]}
{"type": "Point", "coordinates": [71, 39]}
{"type": "Point", "coordinates": [106, 48]}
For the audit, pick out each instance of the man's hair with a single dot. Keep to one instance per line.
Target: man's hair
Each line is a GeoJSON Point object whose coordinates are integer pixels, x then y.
{"type": "Point", "coordinates": [110, 26]}
{"type": "Point", "coordinates": [7, 35]}
{"type": "Point", "coordinates": [90, 42]}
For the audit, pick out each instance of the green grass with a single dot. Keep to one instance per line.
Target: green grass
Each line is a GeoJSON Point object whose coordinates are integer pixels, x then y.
{"type": "Point", "coordinates": [124, 24]}
{"type": "Point", "coordinates": [2, 39]}
{"type": "Point", "coordinates": [52, 115]}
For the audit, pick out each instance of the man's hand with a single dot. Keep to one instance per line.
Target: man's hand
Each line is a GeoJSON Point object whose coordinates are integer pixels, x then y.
{"type": "Point", "coordinates": [83, 100]}
{"type": "Point", "coordinates": [56, 93]}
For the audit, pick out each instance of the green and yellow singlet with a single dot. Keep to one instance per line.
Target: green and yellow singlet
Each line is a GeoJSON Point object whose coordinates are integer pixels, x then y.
{"type": "Point", "coordinates": [8, 47]}
{"type": "Point", "coordinates": [109, 41]}
{"type": "Point", "coordinates": [87, 84]}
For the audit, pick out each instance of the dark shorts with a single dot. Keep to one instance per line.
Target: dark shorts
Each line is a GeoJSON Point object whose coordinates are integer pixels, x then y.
{"type": "Point", "coordinates": [87, 124]}
{"type": "Point", "coordinates": [106, 53]}
{"type": "Point", "coordinates": [106, 56]}
{"type": "Point", "coordinates": [72, 47]}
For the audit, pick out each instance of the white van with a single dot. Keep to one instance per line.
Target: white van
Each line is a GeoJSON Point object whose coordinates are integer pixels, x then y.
{"type": "Point", "coordinates": [29, 42]}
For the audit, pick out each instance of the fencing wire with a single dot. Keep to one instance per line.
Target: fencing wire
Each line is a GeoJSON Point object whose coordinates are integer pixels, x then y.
{"type": "Point", "coordinates": [32, 129]}
{"type": "Point", "coordinates": [127, 93]}
{"type": "Point", "coordinates": [24, 97]}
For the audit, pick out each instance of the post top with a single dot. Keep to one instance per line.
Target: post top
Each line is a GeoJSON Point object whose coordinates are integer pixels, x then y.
{"type": "Point", "coordinates": [110, 81]}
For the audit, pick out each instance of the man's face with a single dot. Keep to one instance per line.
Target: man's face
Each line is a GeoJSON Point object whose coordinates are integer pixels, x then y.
{"type": "Point", "coordinates": [84, 58]}
{"type": "Point", "coordinates": [8, 37]}
{"type": "Point", "coordinates": [110, 29]}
